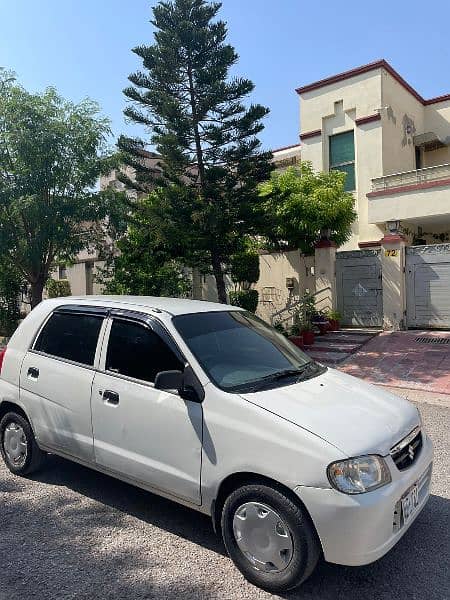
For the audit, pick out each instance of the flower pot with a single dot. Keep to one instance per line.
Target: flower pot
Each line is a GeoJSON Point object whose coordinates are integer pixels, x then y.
{"type": "Point", "coordinates": [297, 340]}
{"type": "Point", "coordinates": [334, 324]}
{"type": "Point", "coordinates": [308, 338]}
{"type": "Point", "coordinates": [323, 328]}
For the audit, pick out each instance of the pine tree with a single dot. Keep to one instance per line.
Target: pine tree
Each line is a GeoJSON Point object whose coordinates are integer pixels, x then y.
{"type": "Point", "coordinates": [206, 136]}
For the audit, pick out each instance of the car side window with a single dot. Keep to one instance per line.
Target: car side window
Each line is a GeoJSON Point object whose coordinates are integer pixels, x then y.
{"type": "Point", "coordinates": [138, 352]}
{"type": "Point", "coordinates": [70, 336]}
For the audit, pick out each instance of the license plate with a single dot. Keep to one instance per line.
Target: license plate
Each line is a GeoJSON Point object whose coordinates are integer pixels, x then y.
{"type": "Point", "coordinates": [410, 502]}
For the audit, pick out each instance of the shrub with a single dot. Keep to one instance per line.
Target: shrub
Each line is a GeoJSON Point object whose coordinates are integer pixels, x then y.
{"type": "Point", "coordinates": [245, 268]}
{"type": "Point", "coordinates": [334, 315]}
{"type": "Point", "coordinates": [58, 289]}
{"type": "Point", "coordinates": [247, 299]}
{"type": "Point", "coordinates": [10, 287]}
{"type": "Point", "coordinates": [305, 313]}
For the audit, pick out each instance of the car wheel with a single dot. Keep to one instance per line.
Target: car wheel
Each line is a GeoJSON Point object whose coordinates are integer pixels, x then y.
{"type": "Point", "coordinates": [269, 537]}
{"type": "Point", "coordinates": [18, 446]}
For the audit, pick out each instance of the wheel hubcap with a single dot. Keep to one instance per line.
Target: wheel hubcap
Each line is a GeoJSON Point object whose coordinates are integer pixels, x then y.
{"type": "Point", "coordinates": [15, 444]}
{"type": "Point", "coordinates": [263, 537]}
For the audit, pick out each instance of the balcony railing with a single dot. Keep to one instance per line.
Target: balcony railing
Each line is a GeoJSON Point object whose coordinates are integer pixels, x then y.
{"type": "Point", "coordinates": [411, 177]}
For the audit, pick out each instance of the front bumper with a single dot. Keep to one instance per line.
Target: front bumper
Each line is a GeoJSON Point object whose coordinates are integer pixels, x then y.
{"type": "Point", "coordinates": [359, 529]}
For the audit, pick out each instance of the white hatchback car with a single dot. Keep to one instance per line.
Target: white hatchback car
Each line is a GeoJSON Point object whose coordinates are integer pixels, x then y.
{"type": "Point", "coordinates": [209, 406]}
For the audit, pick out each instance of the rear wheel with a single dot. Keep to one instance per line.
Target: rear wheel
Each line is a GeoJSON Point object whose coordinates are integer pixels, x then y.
{"type": "Point", "coordinates": [269, 537]}
{"type": "Point", "coordinates": [18, 446]}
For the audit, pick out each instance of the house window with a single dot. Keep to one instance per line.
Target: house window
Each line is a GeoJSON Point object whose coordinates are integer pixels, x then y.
{"type": "Point", "coordinates": [63, 272]}
{"type": "Point", "coordinates": [342, 157]}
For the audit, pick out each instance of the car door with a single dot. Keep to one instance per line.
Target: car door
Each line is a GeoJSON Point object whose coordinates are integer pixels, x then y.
{"type": "Point", "coordinates": [152, 436]}
{"type": "Point", "coordinates": [56, 379]}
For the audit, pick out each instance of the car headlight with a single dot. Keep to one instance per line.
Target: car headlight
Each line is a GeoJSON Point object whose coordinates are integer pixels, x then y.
{"type": "Point", "coordinates": [359, 475]}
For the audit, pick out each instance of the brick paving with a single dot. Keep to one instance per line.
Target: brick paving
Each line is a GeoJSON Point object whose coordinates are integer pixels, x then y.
{"type": "Point", "coordinates": [334, 347]}
{"type": "Point", "coordinates": [396, 359]}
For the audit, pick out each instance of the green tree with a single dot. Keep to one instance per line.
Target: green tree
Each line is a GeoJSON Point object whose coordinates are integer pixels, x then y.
{"type": "Point", "coordinates": [244, 270]}
{"type": "Point", "coordinates": [211, 157]}
{"type": "Point", "coordinates": [51, 155]}
{"type": "Point", "coordinates": [142, 262]}
{"type": "Point", "coordinates": [10, 293]}
{"type": "Point", "coordinates": [299, 204]}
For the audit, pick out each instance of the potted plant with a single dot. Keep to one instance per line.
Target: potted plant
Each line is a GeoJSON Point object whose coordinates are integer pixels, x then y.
{"type": "Point", "coordinates": [303, 319]}
{"type": "Point", "coordinates": [307, 332]}
{"type": "Point", "coordinates": [334, 317]}
{"type": "Point", "coordinates": [295, 335]}
{"type": "Point", "coordinates": [320, 320]}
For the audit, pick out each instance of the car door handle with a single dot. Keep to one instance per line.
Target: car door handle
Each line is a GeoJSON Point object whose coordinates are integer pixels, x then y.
{"type": "Point", "coordinates": [110, 397]}
{"type": "Point", "coordinates": [33, 373]}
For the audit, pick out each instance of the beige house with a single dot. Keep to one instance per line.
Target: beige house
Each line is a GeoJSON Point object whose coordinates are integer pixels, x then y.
{"type": "Point", "coordinates": [394, 145]}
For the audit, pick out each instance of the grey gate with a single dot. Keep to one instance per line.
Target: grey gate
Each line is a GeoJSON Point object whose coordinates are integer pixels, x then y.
{"type": "Point", "coordinates": [359, 288]}
{"type": "Point", "coordinates": [428, 286]}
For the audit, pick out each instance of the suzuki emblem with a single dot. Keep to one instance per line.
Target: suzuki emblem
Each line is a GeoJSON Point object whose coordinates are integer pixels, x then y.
{"type": "Point", "coordinates": [411, 452]}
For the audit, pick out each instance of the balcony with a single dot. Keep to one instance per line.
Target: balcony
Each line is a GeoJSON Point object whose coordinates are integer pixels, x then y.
{"type": "Point", "coordinates": [408, 178]}
{"type": "Point", "coordinates": [422, 194]}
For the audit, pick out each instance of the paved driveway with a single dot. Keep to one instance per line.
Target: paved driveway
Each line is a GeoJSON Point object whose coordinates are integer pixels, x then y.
{"type": "Point", "coordinates": [398, 359]}
{"type": "Point", "coordinates": [70, 533]}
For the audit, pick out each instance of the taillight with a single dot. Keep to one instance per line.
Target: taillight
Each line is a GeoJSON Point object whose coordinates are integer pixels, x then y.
{"type": "Point", "coordinates": [2, 357]}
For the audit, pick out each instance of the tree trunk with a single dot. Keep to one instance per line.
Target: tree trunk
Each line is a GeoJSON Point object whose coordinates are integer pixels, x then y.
{"type": "Point", "coordinates": [37, 289]}
{"type": "Point", "coordinates": [220, 280]}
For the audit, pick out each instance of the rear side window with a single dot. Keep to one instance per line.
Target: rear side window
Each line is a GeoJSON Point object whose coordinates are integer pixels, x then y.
{"type": "Point", "coordinates": [70, 336]}
{"type": "Point", "coordinates": [139, 352]}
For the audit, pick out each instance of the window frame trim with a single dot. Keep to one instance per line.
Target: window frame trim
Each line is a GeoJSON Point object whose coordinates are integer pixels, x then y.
{"type": "Point", "coordinates": [335, 167]}
{"type": "Point", "coordinates": [80, 310]}
{"type": "Point", "coordinates": [148, 322]}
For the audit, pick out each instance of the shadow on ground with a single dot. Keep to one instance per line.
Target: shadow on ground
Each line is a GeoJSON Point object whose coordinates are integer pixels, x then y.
{"type": "Point", "coordinates": [87, 544]}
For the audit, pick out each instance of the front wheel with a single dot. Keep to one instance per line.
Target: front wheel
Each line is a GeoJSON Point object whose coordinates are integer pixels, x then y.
{"type": "Point", "coordinates": [18, 446]}
{"type": "Point", "coordinates": [269, 537]}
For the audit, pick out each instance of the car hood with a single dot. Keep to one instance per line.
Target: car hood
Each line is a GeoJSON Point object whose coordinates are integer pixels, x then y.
{"type": "Point", "coordinates": [354, 416]}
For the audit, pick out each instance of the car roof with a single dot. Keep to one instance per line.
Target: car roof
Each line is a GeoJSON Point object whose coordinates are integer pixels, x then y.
{"type": "Point", "coordinates": [172, 306]}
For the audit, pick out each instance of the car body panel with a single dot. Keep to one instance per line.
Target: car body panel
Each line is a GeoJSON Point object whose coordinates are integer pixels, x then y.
{"type": "Point", "coordinates": [58, 403]}
{"type": "Point", "coordinates": [151, 435]}
{"type": "Point", "coordinates": [349, 413]}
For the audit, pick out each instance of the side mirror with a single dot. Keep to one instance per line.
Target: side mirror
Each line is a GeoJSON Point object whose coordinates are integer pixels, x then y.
{"type": "Point", "coordinates": [186, 384]}
{"type": "Point", "coordinates": [169, 380]}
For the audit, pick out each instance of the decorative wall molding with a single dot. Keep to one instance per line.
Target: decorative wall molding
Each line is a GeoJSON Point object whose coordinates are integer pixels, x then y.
{"type": "Point", "coordinates": [369, 119]}
{"type": "Point", "coordinates": [369, 244]}
{"type": "Point", "coordinates": [431, 249]}
{"type": "Point", "coordinates": [310, 134]}
{"type": "Point", "coordinates": [409, 188]}
{"type": "Point", "coordinates": [378, 64]}
{"type": "Point", "coordinates": [347, 254]}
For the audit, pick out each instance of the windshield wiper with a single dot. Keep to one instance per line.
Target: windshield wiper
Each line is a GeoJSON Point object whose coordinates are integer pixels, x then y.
{"type": "Point", "coordinates": [279, 375]}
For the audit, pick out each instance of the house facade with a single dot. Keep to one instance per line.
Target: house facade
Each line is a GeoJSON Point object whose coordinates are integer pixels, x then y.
{"type": "Point", "coordinates": [394, 146]}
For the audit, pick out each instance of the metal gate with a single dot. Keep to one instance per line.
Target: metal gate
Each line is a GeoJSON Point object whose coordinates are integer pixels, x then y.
{"type": "Point", "coordinates": [359, 288]}
{"type": "Point", "coordinates": [428, 286]}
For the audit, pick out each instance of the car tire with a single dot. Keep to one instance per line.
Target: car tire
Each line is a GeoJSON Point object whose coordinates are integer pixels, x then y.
{"type": "Point", "coordinates": [18, 446]}
{"type": "Point", "coordinates": [269, 537]}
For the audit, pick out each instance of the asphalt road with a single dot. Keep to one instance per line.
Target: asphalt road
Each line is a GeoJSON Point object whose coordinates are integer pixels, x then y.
{"type": "Point", "coordinates": [72, 533]}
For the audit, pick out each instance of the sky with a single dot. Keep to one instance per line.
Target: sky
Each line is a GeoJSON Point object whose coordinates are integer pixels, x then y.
{"type": "Point", "coordinates": [83, 48]}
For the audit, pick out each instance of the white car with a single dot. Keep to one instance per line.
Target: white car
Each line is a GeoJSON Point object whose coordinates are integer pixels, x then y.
{"type": "Point", "coordinates": [209, 406]}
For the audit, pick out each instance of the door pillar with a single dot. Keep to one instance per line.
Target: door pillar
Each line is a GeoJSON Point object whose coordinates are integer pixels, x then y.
{"type": "Point", "coordinates": [394, 288]}
{"type": "Point", "coordinates": [325, 274]}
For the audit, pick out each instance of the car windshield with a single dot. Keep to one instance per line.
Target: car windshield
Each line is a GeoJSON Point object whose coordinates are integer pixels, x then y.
{"type": "Point", "coordinates": [238, 350]}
